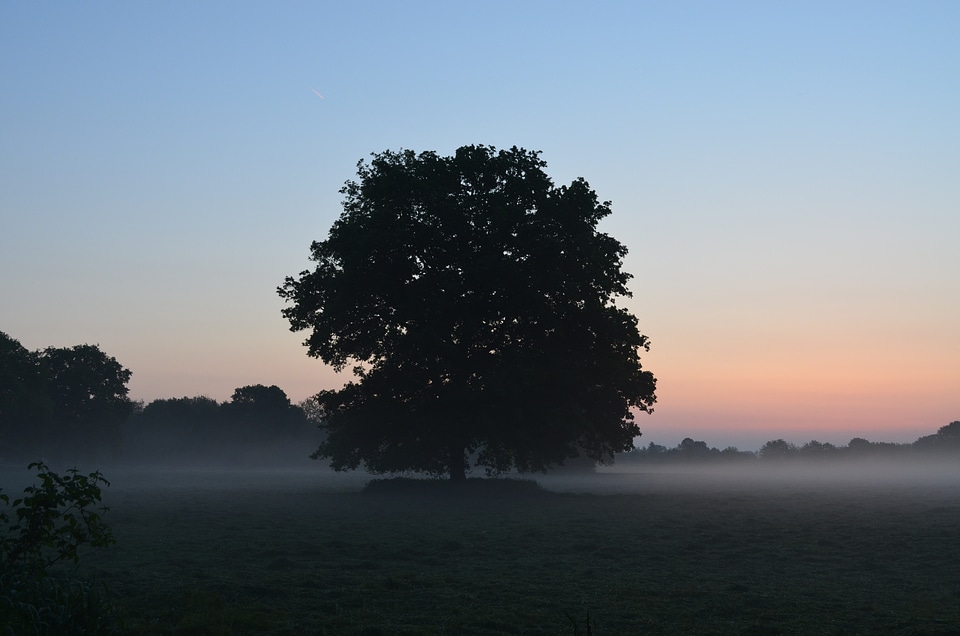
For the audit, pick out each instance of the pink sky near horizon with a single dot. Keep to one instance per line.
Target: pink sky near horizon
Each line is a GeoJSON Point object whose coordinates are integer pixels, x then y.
{"type": "Point", "coordinates": [724, 396]}
{"type": "Point", "coordinates": [713, 383]}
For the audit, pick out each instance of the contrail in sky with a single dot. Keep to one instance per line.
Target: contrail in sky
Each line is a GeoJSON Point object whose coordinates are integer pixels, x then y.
{"type": "Point", "coordinates": [318, 93]}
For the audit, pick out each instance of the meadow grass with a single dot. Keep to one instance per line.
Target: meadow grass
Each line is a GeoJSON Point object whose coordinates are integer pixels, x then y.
{"type": "Point", "coordinates": [304, 555]}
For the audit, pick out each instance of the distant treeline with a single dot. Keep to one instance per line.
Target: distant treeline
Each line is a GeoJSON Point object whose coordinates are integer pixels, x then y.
{"type": "Point", "coordinates": [71, 405]}
{"type": "Point", "coordinates": [946, 441]}
{"type": "Point", "coordinates": [257, 425]}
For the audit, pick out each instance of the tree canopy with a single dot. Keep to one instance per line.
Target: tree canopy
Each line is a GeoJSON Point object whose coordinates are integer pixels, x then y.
{"type": "Point", "coordinates": [476, 304]}
{"type": "Point", "coordinates": [89, 392]}
{"type": "Point", "coordinates": [60, 401]}
{"type": "Point", "coordinates": [264, 413]}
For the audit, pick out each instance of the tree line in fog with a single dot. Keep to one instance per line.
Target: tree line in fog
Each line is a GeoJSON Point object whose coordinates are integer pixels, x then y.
{"type": "Point", "coordinates": [945, 441]}
{"type": "Point", "coordinates": [71, 404]}
{"type": "Point", "coordinates": [258, 424]}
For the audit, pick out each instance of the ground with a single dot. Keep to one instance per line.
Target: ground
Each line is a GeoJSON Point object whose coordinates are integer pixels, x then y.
{"type": "Point", "coordinates": [307, 552]}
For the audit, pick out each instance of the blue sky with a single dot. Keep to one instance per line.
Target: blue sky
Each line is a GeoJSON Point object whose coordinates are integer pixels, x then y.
{"type": "Point", "coordinates": [784, 175]}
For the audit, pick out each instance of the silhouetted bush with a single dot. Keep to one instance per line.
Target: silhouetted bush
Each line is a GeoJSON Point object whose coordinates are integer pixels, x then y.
{"type": "Point", "coordinates": [50, 522]}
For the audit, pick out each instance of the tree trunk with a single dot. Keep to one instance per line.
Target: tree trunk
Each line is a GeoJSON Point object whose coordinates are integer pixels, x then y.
{"type": "Point", "coordinates": [457, 465]}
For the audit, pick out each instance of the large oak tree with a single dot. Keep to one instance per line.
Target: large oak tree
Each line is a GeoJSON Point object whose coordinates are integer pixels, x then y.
{"type": "Point", "coordinates": [476, 304]}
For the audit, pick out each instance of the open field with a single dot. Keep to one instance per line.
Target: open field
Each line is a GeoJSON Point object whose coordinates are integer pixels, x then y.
{"type": "Point", "coordinates": [307, 553]}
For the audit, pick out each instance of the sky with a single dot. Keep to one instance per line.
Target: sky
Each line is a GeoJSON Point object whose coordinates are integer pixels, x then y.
{"type": "Point", "coordinates": [784, 174]}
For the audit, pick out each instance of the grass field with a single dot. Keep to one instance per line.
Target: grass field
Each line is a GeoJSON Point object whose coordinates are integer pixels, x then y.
{"type": "Point", "coordinates": [648, 553]}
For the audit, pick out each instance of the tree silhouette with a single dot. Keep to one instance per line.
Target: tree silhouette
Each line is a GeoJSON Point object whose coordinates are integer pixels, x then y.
{"type": "Point", "coordinates": [25, 406]}
{"type": "Point", "coordinates": [257, 426]}
{"type": "Point", "coordinates": [690, 448]}
{"type": "Point", "coordinates": [474, 301]}
{"type": "Point", "coordinates": [258, 413]}
{"type": "Point", "coordinates": [88, 389]}
{"type": "Point", "coordinates": [777, 449]}
{"type": "Point", "coordinates": [817, 449]}
{"type": "Point", "coordinates": [949, 435]}
{"type": "Point", "coordinates": [175, 428]}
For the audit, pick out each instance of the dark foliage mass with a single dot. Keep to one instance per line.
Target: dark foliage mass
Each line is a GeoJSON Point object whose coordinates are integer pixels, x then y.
{"type": "Point", "coordinates": [476, 303]}
{"type": "Point", "coordinates": [62, 403]}
{"type": "Point", "coordinates": [52, 520]}
{"type": "Point", "coordinates": [257, 425]}
{"type": "Point", "coordinates": [71, 405]}
{"type": "Point", "coordinates": [946, 439]}
{"type": "Point", "coordinates": [45, 527]}
{"type": "Point", "coordinates": [25, 404]}
{"type": "Point", "coordinates": [89, 394]}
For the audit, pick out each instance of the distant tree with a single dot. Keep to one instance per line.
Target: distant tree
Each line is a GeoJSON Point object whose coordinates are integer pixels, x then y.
{"type": "Point", "coordinates": [777, 449]}
{"type": "Point", "coordinates": [688, 450]}
{"type": "Point", "coordinates": [262, 413]}
{"type": "Point", "coordinates": [655, 449]}
{"type": "Point", "coordinates": [266, 398]}
{"type": "Point", "coordinates": [475, 302]}
{"type": "Point", "coordinates": [25, 407]}
{"type": "Point", "coordinates": [88, 391]}
{"type": "Point", "coordinates": [732, 453]}
{"type": "Point", "coordinates": [945, 440]}
{"type": "Point", "coordinates": [859, 446]}
{"type": "Point", "coordinates": [175, 429]}
{"type": "Point", "coordinates": [249, 428]}
{"type": "Point", "coordinates": [693, 449]}
{"type": "Point", "coordinates": [651, 453]}
{"type": "Point", "coordinates": [949, 435]}
{"type": "Point", "coordinates": [817, 450]}
{"type": "Point", "coordinates": [926, 442]}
